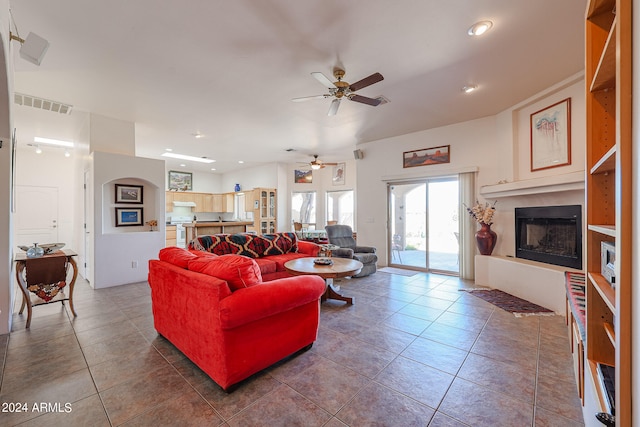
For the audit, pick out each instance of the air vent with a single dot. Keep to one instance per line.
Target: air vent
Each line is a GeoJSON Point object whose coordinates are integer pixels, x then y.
{"type": "Point", "coordinates": [42, 104]}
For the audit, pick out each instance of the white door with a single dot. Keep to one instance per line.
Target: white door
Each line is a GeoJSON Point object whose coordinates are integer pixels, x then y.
{"type": "Point", "coordinates": [87, 256]}
{"type": "Point", "coordinates": [36, 215]}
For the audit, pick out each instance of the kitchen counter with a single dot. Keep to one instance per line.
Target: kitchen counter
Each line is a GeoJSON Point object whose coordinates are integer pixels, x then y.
{"type": "Point", "coordinates": [203, 228]}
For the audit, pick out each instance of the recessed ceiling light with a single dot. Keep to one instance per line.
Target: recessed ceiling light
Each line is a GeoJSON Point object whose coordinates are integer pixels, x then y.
{"type": "Point", "coordinates": [50, 141]}
{"type": "Point", "coordinates": [190, 158]}
{"type": "Point", "coordinates": [38, 150]}
{"type": "Point", "coordinates": [168, 149]}
{"type": "Point", "coordinates": [479, 28]}
{"type": "Point", "coordinates": [197, 135]}
{"type": "Point", "coordinates": [240, 161]}
{"type": "Point", "coordinates": [67, 153]}
{"type": "Point", "coordinates": [213, 169]}
{"type": "Point", "coordinates": [469, 88]}
{"type": "Point", "coordinates": [182, 165]}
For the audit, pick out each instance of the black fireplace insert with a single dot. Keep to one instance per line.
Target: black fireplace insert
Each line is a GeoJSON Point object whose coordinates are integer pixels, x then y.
{"type": "Point", "coordinates": [550, 234]}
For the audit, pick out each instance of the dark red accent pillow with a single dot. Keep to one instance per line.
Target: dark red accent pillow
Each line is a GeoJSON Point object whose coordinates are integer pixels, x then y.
{"type": "Point", "coordinates": [177, 256]}
{"type": "Point", "coordinates": [237, 270]}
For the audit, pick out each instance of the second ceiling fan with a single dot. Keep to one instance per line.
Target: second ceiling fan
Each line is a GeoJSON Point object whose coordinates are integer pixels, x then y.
{"type": "Point", "coordinates": [341, 89]}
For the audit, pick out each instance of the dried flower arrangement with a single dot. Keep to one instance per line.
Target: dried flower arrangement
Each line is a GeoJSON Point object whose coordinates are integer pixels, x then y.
{"type": "Point", "coordinates": [483, 214]}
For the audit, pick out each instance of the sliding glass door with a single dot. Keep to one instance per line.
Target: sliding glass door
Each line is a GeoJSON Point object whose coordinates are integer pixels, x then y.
{"type": "Point", "coordinates": [423, 225]}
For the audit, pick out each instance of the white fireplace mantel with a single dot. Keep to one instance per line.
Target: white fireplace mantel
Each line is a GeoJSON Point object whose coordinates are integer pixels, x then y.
{"type": "Point", "coordinates": [547, 184]}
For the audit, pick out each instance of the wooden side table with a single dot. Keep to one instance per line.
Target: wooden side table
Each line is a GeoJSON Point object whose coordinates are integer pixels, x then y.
{"type": "Point", "coordinates": [21, 276]}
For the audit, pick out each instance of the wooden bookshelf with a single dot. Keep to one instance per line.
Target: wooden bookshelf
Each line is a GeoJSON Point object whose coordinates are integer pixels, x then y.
{"type": "Point", "coordinates": [608, 197]}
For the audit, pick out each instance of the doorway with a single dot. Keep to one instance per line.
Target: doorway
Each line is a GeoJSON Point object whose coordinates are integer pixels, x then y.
{"type": "Point", "coordinates": [36, 215]}
{"type": "Point", "coordinates": [423, 225]}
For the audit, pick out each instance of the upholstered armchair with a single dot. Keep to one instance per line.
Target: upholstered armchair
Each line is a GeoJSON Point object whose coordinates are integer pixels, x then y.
{"type": "Point", "coordinates": [342, 235]}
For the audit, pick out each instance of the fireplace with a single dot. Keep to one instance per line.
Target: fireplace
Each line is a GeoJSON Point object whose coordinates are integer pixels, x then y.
{"type": "Point", "coordinates": [550, 234]}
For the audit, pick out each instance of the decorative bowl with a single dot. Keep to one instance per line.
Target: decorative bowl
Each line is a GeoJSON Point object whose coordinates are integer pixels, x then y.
{"type": "Point", "coordinates": [50, 248]}
{"type": "Point", "coordinates": [323, 261]}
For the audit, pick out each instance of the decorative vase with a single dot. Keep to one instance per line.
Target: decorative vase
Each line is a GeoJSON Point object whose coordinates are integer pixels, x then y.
{"type": "Point", "coordinates": [237, 187]}
{"type": "Point", "coordinates": [35, 252]}
{"type": "Point", "coordinates": [486, 239]}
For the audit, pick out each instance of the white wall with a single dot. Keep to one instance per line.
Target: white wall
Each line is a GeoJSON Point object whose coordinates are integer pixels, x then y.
{"type": "Point", "coordinates": [115, 249]}
{"type": "Point", "coordinates": [497, 146]}
{"type": "Point", "coordinates": [7, 289]}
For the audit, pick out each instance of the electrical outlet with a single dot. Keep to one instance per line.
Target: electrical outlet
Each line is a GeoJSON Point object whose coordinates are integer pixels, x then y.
{"type": "Point", "coordinates": [134, 264]}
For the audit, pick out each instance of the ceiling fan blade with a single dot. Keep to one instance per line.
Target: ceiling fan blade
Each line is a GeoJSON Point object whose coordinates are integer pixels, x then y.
{"type": "Point", "coordinates": [307, 98]}
{"type": "Point", "coordinates": [333, 108]}
{"type": "Point", "coordinates": [324, 80]}
{"type": "Point", "coordinates": [365, 100]}
{"type": "Point", "coordinates": [367, 81]}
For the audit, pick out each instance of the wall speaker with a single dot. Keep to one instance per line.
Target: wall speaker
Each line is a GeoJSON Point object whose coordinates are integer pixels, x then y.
{"type": "Point", "coordinates": [34, 48]}
{"type": "Point", "coordinates": [358, 154]}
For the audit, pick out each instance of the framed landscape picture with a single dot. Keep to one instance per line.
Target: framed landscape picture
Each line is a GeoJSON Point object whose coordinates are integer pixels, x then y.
{"type": "Point", "coordinates": [128, 217]}
{"type": "Point", "coordinates": [426, 156]}
{"type": "Point", "coordinates": [129, 193]}
{"type": "Point", "coordinates": [551, 136]}
{"type": "Point", "coordinates": [182, 181]}
{"type": "Point", "coordinates": [303, 177]}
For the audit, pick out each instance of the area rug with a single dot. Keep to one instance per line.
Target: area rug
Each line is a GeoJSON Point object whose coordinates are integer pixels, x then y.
{"type": "Point", "coordinates": [517, 306]}
{"type": "Point", "coordinates": [400, 271]}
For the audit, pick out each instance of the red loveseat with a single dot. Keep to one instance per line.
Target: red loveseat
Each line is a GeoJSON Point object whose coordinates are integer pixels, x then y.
{"type": "Point", "coordinates": [271, 251]}
{"type": "Point", "coordinates": [224, 318]}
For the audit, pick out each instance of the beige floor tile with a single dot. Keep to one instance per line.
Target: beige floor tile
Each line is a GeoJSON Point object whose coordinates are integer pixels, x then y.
{"type": "Point", "coordinates": [185, 410]}
{"type": "Point", "coordinates": [497, 366]}
{"type": "Point", "coordinates": [282, 407]}
{"type": "Point", "coordinates": [437, 355]}
{"type": "Point", "coordinates": [513, 380]}
{"type": "Point", "coordinates": [328, 384]}
{"type": "Point", "coordinates": [420, 382]}
{"type": "Point", "coordinates": [478, 406]}
{"type": "Point", "coordinates": [138, 395]}
{"type": "Point", "coordinates": [378, 405]}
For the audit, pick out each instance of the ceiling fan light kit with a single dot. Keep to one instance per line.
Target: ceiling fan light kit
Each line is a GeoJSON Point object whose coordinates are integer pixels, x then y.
{"type": "Point", "coordinates": [469, 88]}
{"type": "Point", "coordinates": [316, 164]}
{"type": "Point", "coordinates": [340, 89]}
{"type": "Point", "coordinates": [479, 28]}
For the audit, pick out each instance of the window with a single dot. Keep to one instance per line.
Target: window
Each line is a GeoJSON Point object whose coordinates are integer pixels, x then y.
{"type": "Point", "coordinates": [303, 207]}
{"type": "Point", "coordinates": [340, 207]}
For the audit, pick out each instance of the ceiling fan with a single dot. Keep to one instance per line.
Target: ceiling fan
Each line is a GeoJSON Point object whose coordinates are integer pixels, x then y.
{"type": "Point", "coordinates": [316, 164]}
{"type": "Point", "coordinates": [341, 89]}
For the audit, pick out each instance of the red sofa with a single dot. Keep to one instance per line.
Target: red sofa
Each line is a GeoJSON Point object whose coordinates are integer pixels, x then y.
{"type": "Point", "coordinates": [271, 251]}
{"type": "Point", "coordinates": [232, 327]}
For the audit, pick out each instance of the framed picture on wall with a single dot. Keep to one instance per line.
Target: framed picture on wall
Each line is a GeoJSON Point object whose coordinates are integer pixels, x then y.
{"type": "Point", "coordinates": [551, 136]}
{"type": "Point", "coordinates": [303, 177]}
{"type": "Point", "coordinates": [182, 181]}
{"type": "Point", "coordinates": [426, 156]}
{"type": "Point", "coordinates": [338, 174]}
{"type": "Point", "coordinates": [129, 193]}
{"type": "Point", "coordinates": [128, 217]}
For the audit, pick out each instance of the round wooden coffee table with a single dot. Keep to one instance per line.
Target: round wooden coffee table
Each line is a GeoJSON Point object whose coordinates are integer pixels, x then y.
{"type": "Point", "coordinates": [341, 267]}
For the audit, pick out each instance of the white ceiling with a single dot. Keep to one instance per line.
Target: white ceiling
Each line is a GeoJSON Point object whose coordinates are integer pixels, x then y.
{"type": "Point", "coordinates": [229, 69]}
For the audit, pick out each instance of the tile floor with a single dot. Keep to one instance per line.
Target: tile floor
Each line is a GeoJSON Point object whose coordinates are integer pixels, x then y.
{"type": "Point", "coordinates": [412, 351]}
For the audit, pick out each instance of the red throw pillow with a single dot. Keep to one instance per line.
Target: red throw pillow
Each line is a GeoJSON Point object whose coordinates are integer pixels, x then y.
{"type": "Point", "coordinates": [237, 270]}
{"type": "Point", "coordinates": [205, 254]}
{"type": "Point", "coordinates": [176, 256]}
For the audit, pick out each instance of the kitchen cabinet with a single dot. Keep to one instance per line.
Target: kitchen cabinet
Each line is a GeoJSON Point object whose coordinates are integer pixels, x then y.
{"type": "Point", "coordinates": [263, 203]}
{"type": "Point", "coordinates": [170, 236]}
